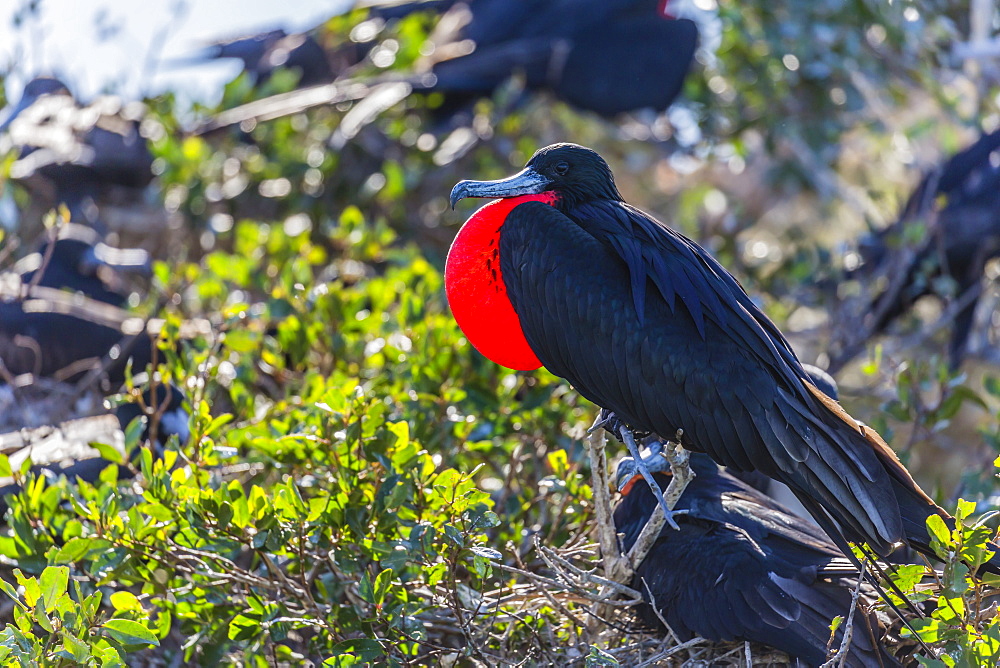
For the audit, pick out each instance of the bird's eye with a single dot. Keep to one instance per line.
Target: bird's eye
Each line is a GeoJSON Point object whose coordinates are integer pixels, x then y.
{"type": "Point", "coordinates": [562, 168]}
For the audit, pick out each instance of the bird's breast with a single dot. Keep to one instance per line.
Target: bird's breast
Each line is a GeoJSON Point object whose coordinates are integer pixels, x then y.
{"type": "Point", "coordinates": [476, 291]}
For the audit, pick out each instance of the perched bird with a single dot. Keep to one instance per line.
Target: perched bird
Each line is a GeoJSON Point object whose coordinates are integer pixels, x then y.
{"type": "Point", "coordinates": [56, 335]}
{"type": "Point", "coordinates": [67, 450]}
{"type": "Point", "coordinates": [958, 205]}
{"type": "Point", "coordinates": [561, 272]}
{"type": "Point", "coordinates": [605, 56]}
{"type": "Point", "coordinates": [72, 154]}
{"type": "Point", "coordinates": [266, 52]}
{"type": "Point", "coordinates": [751, 570]}
{"type": "Point", "coordinates": [80, 262]}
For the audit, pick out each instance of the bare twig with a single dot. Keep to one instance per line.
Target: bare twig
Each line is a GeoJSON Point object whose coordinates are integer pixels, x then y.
{"type": "Point", "coordinates": [839, 659]}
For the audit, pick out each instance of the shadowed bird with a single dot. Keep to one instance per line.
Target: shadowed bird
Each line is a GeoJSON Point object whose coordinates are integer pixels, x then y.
{"type": "Point", "coordinates": [743, 568]}
{"type": "Point", "coordinates": [606, 56]}
{"type": "Point", "coordinates": [72, 154]}
{"type": "Point", "coordinates": [57, 335]}
{"type": "Point", "coordinates": [956, 209]}
{"type": "Point", "coordinates": [266, 52]}
{"type": "Point", "coordinates": [80, 262]}
{"type": "Point", "coordinates": [66, 449]}
{"type": "Point", "coordinates": [642, 321]}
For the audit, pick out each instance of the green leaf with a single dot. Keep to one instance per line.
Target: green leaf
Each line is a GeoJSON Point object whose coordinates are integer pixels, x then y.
{"type": "Point", "coordinates": [382, 584]}
{"type": "Point", "coordinates": [129, 632]}
{"type": "Point", "coordinates": [32, 592]}
{"type": "Point", "coordinates": [78, 649]}
{"type": "Point", "coordinates": [938, 530]}
{"type": "Point", "coordinates": [53, 583]}
{"type": "Point", "coordinates": [5, 470]}
{"type": "Point", "coordinates": [964, 509]}
{"type": "Point", "coordinates": [126, 601]}
{"type": "Point", "coordinates": [244, 628]}
{"type": "Point", "coordinates": [599, 657]}
{"type": "Point", "coordinates": [110, 452]}
{"type": "Point", "coordinates": [365, 649]}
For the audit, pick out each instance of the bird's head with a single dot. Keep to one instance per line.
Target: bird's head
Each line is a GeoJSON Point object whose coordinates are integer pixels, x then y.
{"type": "Point", "coordinates": [575, 174]}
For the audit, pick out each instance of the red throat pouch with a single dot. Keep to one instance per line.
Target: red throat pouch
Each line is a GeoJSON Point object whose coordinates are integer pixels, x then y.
{"type": "Point", "coordinates": [476, 291]}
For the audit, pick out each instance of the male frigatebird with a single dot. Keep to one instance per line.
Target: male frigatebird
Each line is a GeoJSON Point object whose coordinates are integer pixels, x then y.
{"type": "Point", "coordinates": [561, 272]}
{"type": "Point", "coordinates": [78, 261]}
{"type": "Point", "coordinates": [959, 205]}
{"type": "Point", "coordinates": [605, 56]}
{"type": "Point", "coordinates": [742, 567]}
{"type": "Point", "coordinates": [71, 153]}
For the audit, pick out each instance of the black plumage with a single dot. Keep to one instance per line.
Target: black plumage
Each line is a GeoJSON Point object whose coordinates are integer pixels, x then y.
{"type": "Point", "coordinates": [645, 323]}
{"type": "Point", "coordinates": [65, 322]}
{"type": "Point", "coordinates": [80, 262]}
{"type": "Point", "coordinates": [73, 154]}
{"type": "Point", "coordinates": [605, 56]}
{"type": "Point", "coordinates": [958, 205]}
{"type": "Point", "coordinates": [743, 568]}
{"type": "Point", "coordinates": [265, 52]}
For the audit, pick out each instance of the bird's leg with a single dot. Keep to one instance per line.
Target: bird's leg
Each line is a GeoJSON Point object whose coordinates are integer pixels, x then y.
{"type": "Point", "coordinates": [624, 433]}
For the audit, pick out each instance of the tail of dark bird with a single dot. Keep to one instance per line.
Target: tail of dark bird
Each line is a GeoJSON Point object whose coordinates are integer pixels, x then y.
{"type": "Point", "coordinates": [914, 504]}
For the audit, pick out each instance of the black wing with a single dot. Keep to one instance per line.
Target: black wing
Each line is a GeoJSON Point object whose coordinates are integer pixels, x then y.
{"type": "Point", "coordinates": [643, 322]}
{"type": "Point", "coordinates": [716, 580]}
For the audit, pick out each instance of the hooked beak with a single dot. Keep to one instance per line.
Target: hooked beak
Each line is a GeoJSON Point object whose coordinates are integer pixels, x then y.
{"type": "Point", "coordinates": [124, 260]}
{"type": "Point", "coordinates": [652, 457]}
{"type": "Point", "coordinates": [15, 111]}
{"type": "Point", "coordinates": [525, 182]}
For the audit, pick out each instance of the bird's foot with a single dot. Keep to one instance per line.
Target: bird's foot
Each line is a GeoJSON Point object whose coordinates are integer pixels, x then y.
{"type": "Point", "coordinates": [610, 422]}
{"type": "Point", "coordinates": [660, 455]}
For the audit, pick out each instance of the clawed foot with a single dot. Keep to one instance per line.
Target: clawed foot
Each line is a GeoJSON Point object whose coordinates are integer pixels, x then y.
{"type": "Point", "coordinates": [610, 422]}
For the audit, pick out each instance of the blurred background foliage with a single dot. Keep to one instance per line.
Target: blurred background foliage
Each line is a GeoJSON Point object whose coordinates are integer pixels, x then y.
{"type": "Point", "coordinates": [359, 478]}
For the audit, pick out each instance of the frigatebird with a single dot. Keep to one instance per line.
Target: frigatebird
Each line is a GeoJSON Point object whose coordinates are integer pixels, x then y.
{"type": "Point", "coordinates": [605, 56]}
{"type": "Point", "coordinates": [56, 335]}
{"type": "Point", "coordinates": [72, 154]}
{"type": "Point", "coordinates": [645, 323]}
{"type": "Point", "coordinates": [265, 52]}
{"type": "Point", "coordinates": [958, 205]}
{"type": "Point", "coordinates": [78, 261]}
{"type": "Point", "coordinates": [741, 567]}
{"type": "Point", "coordinates": [66, 449]}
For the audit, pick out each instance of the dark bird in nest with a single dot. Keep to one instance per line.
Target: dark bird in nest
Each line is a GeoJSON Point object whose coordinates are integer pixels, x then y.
{"type": "Point", "coordinates": [263, 53]}
{"type": "Point", "coordinates": [73, 154]}
{"type": "Point", "coordinates": [642, 321]}
{"type": "Point", "coordinates": [743, 568]}
{"type": "Point", "coordinates": [605, 56]}
{"type": "Point", "coordinates": [79, 262]}
{"type": "Point", "coordinates": [947, 232]}
{"type": "Point", "coordinates": [67, 449]}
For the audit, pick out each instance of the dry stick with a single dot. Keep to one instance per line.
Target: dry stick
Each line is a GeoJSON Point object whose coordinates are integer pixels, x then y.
{"type": "Point", "coordinates": [682, 475]}
{"type": "Point", "coordinates": [839, 660]}
{"type": "Point", "coordinates": [617, 567]}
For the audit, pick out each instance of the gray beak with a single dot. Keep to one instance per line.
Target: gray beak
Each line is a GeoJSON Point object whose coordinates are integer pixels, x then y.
{"type": "Point", "coordinates": [652, 457]}
{"type": "Point", "coordinates": [525, 182]}
{"type": "Point", "coordinates": [13, 112]}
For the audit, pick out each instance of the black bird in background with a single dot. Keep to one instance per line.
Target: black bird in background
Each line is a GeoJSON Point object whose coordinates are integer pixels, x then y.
{"type": "Point", "coordinates": [646, 324]}
{"type": "Point", "coordinates": [80, 262]}
{"type": "Point", "coordinates": [605, 56]}
{"type": "Point", "coordinates": [66, 450]}
{"type": "Point", "coordinates": [73, 154]}
{"type": "Point", "coordinates": [742, 567]}
{"type": "Point", "coordinates": [63, 323]}
{"type": "Point", "coordinates": [958, 205]}
{"type": "Point", "coordinates": [266, 52]}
